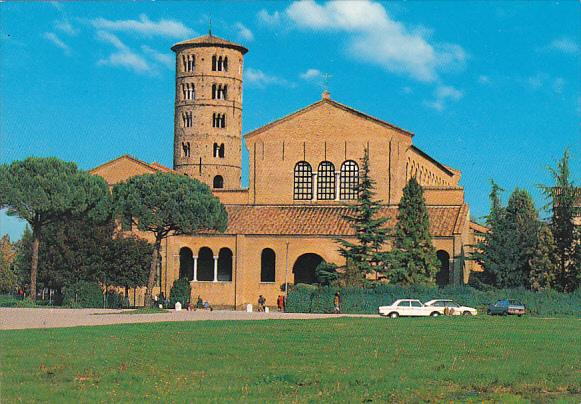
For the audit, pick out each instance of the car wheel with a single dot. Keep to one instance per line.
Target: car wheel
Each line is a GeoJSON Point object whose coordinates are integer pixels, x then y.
{"type": "Point", "coordinates": [434, 314]}
{"type": "Point", "coordinates": [393, 315]}
{"type": "Point", "coordinates": [466, 313]}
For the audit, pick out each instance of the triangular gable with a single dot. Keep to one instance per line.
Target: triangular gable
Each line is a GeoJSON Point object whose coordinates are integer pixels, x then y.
{"type": "Point", "coordinates": [124, 167]}
{"type": "Point", "coordinates": [327, 101]}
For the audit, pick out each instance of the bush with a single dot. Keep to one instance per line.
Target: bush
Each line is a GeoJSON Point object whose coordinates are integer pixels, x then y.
{"type": "Point", "coordinates": [83, 294]}
{"type": "Point", "coordinates": [310, 299]}
{"type": "Point", "coordinates": [180, 292]}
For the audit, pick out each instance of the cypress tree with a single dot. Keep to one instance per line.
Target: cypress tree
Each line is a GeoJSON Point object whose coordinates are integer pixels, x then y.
{"type": "Point", "coordinates": [364, 255]}
{"type": "Point", "coordinates": [543, 263]}
{"type": "Point", "coordinates": [413, 258]}
{"type": "Point", "coordinates": [562, 197]}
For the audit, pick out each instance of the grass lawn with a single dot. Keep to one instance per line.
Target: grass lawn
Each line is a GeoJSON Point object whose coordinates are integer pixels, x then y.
{"type": "Point", "coordinates": [339, 359]}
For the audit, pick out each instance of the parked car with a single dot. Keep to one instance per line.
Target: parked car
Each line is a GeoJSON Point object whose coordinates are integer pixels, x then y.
{"type": "Point", "coordinates": [505, 307]}
{"type": "Point", "coordinates": [407, 307]}
{"type": "Point", "coordinates": [446, 306]}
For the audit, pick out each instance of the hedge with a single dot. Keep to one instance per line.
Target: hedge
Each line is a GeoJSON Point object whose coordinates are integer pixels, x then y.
{"type": "Point", "coordinates": [85, 294]}
{"type": "Point", "coordinates": [313, 299]}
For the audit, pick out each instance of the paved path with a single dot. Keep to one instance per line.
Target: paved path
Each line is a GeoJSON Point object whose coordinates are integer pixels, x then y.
{"type": "Point", "coordinates": [21, 318]}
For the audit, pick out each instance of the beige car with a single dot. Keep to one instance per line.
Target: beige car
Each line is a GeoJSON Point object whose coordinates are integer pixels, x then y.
{"type": "Point", "coordinates": [449, 307]}
{"type": "Point", "coordinates": [407, 308]}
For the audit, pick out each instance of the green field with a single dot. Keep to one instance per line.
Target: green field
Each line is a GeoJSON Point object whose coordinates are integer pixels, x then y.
{"type": "Point", "coordinates": [339, 359]}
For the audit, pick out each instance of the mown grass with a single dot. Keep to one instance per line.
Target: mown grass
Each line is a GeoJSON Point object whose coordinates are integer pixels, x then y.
{"type": "Point", "coordinates": [340, 359]}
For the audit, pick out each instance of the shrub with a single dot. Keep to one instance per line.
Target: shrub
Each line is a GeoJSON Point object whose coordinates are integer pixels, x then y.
{"type": "Point", "coordinates": [180, 292]}
{"type": "Point", "coordinates": [310, 299]}
{"type": "Point", "coordinates": [83, 294]}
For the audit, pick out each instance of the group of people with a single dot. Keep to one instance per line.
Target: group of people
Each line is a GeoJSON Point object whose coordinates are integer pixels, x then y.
{"type": "Point", "coordinates": [280, 303]}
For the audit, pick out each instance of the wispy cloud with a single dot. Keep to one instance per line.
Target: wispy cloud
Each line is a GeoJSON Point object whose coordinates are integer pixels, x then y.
{"type": "Point", "coordinates": [52, 37]}
{"type": "Point", "coordinates": [243, 32]}
{"type": "Point", "coordinates": [258, 78]}
{"type": "Point", "coordinates": [311, 74]}
{"type": "Point", "coordinates": [66, 27]}
{"type": "Point", "coordinates": [442, 96]}
{"type": "Point", "coordinates": [377, 38]}
{"type": "Point", "coordinates": [124, 56]}
{"type": "Point", "coordinates": [163, 58]}
{"type": "Point", "coordinates": [482, 79]}
{"type": "Point", "coordinates": [145, 27]}
{"type": "Point", "coordinates": [564, 45]}
{"type": "Point", "coordinates": [269, 19]}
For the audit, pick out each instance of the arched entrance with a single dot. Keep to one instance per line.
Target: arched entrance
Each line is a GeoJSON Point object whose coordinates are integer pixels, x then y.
{"type": "Point", "coordinates": [443, 275]}
{"type": "Point", "coordinates": [186, 264]}
{"type": "Point", "coordinates": [225, 265]}
{"type": "Point", "coordinates": [304, 268]}
{"type": "Point", "coordinates": [205, 264]}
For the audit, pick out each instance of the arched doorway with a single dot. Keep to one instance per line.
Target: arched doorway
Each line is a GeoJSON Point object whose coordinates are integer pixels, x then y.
{"type": "Point", "coordinates": [225, 265]}
{"type": "Point", "coordinates": [205, 264]}
{"type": "Point", "coordinates": [267, 265]}
{"type": "Point", "coordinates": [443, 275]}
{"type": "Point", "coordinates": [304, 268]}
{"type": "Point", "coordinates": [186, 264]}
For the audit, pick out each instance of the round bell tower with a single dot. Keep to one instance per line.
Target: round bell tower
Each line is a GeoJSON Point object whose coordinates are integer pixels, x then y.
{"type": "Point", "coordinates": [208, 111]}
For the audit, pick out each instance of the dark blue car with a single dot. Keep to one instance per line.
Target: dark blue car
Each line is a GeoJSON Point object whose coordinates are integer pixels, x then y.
{"type": "Point", "coordinates": [506, 307]}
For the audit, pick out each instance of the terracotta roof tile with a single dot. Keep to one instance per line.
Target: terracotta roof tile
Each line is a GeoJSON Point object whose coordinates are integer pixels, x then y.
{"type": "Point", "coordinates": [208, 40]}
{"type": "Point", "coordinates": [445, 221]}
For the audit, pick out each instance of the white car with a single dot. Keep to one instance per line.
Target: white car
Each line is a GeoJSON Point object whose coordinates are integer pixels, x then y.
{"type": "Point", "coordinates": [445, 306]}
{"type": "Point", "coordinates": [408, 307]}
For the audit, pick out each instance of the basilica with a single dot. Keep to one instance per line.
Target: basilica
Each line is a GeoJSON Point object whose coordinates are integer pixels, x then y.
{"type": "Point", "coordinates": [303, 173]}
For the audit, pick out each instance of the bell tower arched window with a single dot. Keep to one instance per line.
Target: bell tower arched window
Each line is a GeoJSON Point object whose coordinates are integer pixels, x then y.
{"type": "Point", "coordinates": [326, 181]}
{"type": "Point", "coordinates": [303, 181]}
{"type": "Point", "coordinates": [218, 182]}
{"type": "Point", "coordinates": [349, 180]}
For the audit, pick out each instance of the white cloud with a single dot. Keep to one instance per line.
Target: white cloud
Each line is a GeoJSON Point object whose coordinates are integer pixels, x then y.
{"type": "Point", "coordinates": [482, 79]}
{"type": "Point", "coordinates": [66, 27]}
{"type": "Point", "coordinates": [163, 58]}
{"type": "Point", "coordinates": [260, 79]}
{"type": "Point", "coordinates": [52, 37]}
{"type": "Point", "coordinates": [565, 45]}
{"type": "Point", "coordinates": [144, 26]}
{"type": "Point", "coordinates": [244, 32]}
{"type": "Point", "coordinates": [379, 39]}
{"type": "Point", "coordinates": [124, 57]}
{"type": "Point", "coordinates": [442, 96]}
{"type": "Point", "coordinates": [269, 19]}
{"type": "Point", "coordinates": [311, 74]}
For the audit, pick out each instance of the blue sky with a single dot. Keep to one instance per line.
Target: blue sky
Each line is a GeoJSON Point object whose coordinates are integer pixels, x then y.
{"type": "Point", "coordinates": [490, 88]}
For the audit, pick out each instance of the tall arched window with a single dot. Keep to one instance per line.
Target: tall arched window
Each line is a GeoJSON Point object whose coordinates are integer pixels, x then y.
{"type": "Point", "coordinates": [218, 182]}
{"type": "Point", "coordinates": [186, 264]}
{"type": "Point", "coordinates": [303, 183]}
{"type": "Point", "coordinates": [326, 181]}
{"type": "Point", "coordinates": [225, 265]}
{"type": "Point", "coordinates": [349, 180]}
{"type": "Point", "coordinates": [205, 264]}
{"type": "Point", "coordinates": [267, 265]}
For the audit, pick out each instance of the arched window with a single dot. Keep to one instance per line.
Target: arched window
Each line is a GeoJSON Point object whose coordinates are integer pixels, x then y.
{"type": "Point", "coordinates": [218, 182]}
{"type": "Point", "coordinates": [267, 265]}
{"type": "Point", "coordinates": [214, 64]}
{"type": "Point", "coordinates": [185, 149]}
{"type": "Point", "coordinates": [216, 150]}
{"type": "Point", "coordinates": [205, 264]}
{"type": "Point", "coordinates": [349, 180]}
{"type": "Point", "coordinates": [225, 265]}
{"type": "Point", "coordinates": [326, 181]}
{"type": "Point", "coordinates": [303, 182]}
{"type": "Point", "coordinates": [221, 151]}
{"type": "Point", "coordinates": [186, 264]}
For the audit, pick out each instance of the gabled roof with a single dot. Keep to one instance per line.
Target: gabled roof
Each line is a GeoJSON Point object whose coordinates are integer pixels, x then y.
{"type": "Point", "coordinates": [335, 104]}
{"type": "Point", "coordinates": [153, 167]}
{"type": "Point", "coordinates": [208, 40]}
{"type": "Point", "coordinates": [445, 221]}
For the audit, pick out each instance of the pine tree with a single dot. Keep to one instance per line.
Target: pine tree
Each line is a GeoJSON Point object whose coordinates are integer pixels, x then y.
{"type": "Point", "coordinates": [543, 263]}
{"type": "Point", "coordinates": [562, 198]}
{"type": "Point", "coordinates": [413, 258]}
{"type": "Point", "coordinates": [364, 255]}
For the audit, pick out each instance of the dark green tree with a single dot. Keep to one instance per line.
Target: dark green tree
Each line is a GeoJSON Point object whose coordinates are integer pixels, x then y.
{"type": "Point", "coordinates": [563, 197]}
{"type": "Point", "coordinates": [128, 262]}
{"type": "Point", "coordinates": [167, 204]}
{"type": "Point", "coordinates": [326, 273]}
{"type": "Point", "coordinates": [180, 292]}
{"type": "Point", "coordinates": [365, 254]}
{"type": "Point", "coordinates": [521, 224]}
{"type": "Point", "coordinates": [543, 263]}
{"type": "Point", "coordinates": [8, 277]}
{"type": "Point", "coordinates": [44, 190]}
{"type": "Point", "coordinates": [413, 257]}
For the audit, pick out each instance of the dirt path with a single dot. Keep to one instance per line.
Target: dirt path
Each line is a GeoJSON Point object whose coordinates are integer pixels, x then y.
{"type": "Point", "coordinates": [21, 318]}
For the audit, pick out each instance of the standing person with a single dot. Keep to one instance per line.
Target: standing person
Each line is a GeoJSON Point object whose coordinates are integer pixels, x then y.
{"type": "Point", "coordinates": [261, 303]}
{"type": "Point", "coordinates": [279, 303]}
{"type": "Point", "coordinates": [337, 303]}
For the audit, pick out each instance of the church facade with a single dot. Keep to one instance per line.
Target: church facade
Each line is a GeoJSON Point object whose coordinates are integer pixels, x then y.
{"type": "Point", "coordinates": [303, 170]}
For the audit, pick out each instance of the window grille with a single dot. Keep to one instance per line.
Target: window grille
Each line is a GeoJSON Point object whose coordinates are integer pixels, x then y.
{"type": "Point", "coordinates": [303, 181]}
{"type": "Point", "coordinates": [349, 180]}
{"type": "Point", "coordinates": [326, 181]}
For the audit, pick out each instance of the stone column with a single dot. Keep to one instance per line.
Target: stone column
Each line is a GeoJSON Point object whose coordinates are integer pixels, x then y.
{"type": "Point", "coordinates": [337, 185]}
{"type": "Point", "coordinates": [314, 187]}
{"type": "Point", "coordinates": [215, 269]}
{"type": "Point", "coordinates": [195, 269]}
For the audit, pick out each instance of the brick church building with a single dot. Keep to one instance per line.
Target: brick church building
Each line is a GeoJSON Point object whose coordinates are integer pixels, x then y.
{"type": "Point", "coordinates": [302, 172]}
